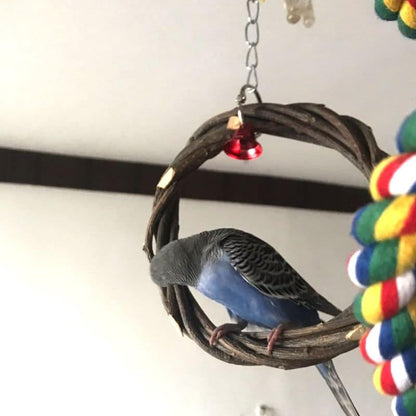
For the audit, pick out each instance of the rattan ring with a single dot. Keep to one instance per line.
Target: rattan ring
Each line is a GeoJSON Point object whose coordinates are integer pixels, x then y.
{"type": "Point", "coordinates": [307, 122]}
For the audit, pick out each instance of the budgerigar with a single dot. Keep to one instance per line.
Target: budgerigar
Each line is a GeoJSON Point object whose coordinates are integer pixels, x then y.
{"type": "Point", "coordinates": [254, 282]}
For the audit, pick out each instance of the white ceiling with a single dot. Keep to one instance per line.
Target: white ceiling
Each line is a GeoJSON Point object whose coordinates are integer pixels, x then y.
{"type": "Point", "coordinates": [132, 80]}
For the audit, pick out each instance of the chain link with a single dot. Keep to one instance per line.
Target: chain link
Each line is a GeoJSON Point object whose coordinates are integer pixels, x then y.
{"type": "Point", "coordinates": [252, 35]}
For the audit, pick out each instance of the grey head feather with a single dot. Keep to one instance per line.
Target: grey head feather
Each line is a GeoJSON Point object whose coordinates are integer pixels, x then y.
{"type": "Point", "coordinates": [180, 262]}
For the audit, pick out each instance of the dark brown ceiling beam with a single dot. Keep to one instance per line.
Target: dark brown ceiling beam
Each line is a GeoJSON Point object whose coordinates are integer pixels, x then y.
{"type": "Point", "coordinates": [47, 169]}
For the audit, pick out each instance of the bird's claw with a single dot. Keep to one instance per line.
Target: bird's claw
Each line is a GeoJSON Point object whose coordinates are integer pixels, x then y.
{"type": "Point", "coordinates": [217, 333]}
{"type": "Point", "coordinates": [225, 329]}
{"type": "Point", "coordinates": [274, 335]}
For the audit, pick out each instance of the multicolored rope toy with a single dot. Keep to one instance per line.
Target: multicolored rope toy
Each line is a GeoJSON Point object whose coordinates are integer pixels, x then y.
{"type": "Point", "coordinates": [386, 268]}
{"type": "Point", "coordinates": [404, 11]}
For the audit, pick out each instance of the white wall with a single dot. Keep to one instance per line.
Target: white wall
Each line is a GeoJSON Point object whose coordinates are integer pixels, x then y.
{"type": "Point", "coordinates": [83, 331]}
{"type": "Point", "coordinates": [105, 78]}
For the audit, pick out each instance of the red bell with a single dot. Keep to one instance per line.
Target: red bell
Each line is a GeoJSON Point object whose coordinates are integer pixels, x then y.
{"type": "Point", "coordinates": [243, 145]}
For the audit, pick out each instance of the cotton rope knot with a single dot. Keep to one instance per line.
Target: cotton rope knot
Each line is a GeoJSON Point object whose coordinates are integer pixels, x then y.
{"type": "Point", "coordinates": [404, 11]}
{"type": "Point", "coordinates": [385, 267]}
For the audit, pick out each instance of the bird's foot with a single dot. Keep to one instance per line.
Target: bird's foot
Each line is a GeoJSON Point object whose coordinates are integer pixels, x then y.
{"type": "Point", "coordinates": [274, 335]}
{"type": "Point", "coordinates": [225, 329]}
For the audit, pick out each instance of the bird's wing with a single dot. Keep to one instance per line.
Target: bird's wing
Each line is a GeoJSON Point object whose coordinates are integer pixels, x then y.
{"type": "Point", "coordinates": [264, 268]}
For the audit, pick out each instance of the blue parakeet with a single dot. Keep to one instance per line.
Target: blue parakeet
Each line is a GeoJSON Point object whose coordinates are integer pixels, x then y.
{"type": "Point", "coordinates": [254, 282]}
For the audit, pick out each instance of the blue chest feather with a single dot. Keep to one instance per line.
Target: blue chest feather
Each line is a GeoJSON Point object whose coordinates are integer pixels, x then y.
{"type": "Point", "coordinates": [221, 282]}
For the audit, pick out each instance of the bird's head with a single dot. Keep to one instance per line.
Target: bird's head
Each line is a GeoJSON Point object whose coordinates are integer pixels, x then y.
{"type": "Point", "coordinates": [173, 265]}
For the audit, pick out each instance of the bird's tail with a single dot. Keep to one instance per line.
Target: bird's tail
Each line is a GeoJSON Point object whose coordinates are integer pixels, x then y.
{"type": "Point", "coordinates": [331, 377]}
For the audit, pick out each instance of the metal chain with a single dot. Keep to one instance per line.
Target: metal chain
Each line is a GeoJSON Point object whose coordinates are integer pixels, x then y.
{"type": "Point", "coordinates": [252, 37]}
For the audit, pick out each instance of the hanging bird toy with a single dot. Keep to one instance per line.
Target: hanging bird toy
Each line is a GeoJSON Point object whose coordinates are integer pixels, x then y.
{"type": "Point", "coordinates": [385, 267]}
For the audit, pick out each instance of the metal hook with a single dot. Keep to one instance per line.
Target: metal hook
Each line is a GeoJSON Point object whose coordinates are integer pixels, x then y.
{"type": "Point", "coordinates": [242, 97]}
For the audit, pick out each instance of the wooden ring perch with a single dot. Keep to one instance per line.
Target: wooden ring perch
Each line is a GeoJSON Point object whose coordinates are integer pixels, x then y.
{"type": "Point", "coordinates": [311, 123]}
